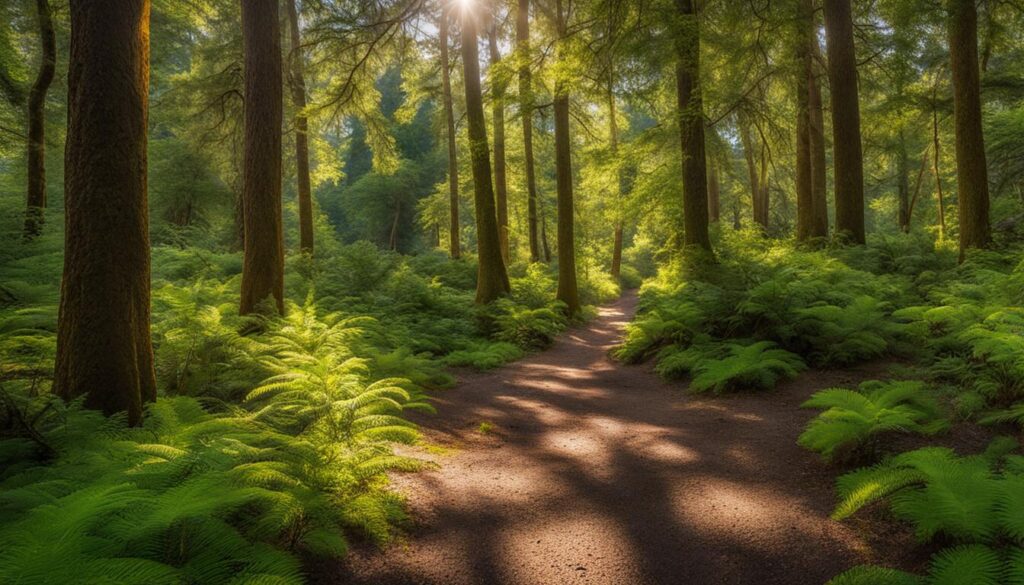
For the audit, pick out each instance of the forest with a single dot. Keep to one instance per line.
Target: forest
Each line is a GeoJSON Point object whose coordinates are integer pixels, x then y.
{"type": "Point", "coordinates": [511, 292]}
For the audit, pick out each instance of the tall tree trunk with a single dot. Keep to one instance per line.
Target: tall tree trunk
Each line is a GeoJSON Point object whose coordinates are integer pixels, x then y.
{"type": "Point", "coordinates": [903, 184]}
{"type": "Point", "coordinates": [526, 111]}
{"type": "Point", "coordinates": [568, 292]}
{"type": "Point", "coordinates": [819, 177]}
{"type": "Point", "coordinates": [937, 151]}
{"type": "Point", "coordinates": [971, 164]}
{"type": "Point", "coordinates": [263, 266]}
{"type": "Point", "coordinates": [545, 244]}
{"type": "Point", "coordinates": [613, 137]}
{"type": "Point", "coordinates": [498, 106]}
{"type": "Point", "coordinates": [754, 176]}
{"type": "Point", "coordinates": [764, 204]}
{"type": "Point", "coordinates": [298, 87]}
{"type": "Point", "coordinates": [454, 247]}
{"type": "Point", "coordinates": [492, 279]}
{"type": "Point", "coordinates": [691, 128]}
{"type": "Point", "coordinates": [36, 198]}
{"type": "Point", "coordinates": [846, 138]}
{"type": "Point", "coordinates": [104, 349]}
{"type": "Point", "coordinates": [804, 165]}
{"type": "Point", "coordinates": [714, 194]}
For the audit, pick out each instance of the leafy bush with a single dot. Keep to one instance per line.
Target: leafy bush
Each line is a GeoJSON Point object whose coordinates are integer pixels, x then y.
{"type": "Point", "coordinates": [975, 564]}
{"type": "Point", "coordinates": [853, 418]}
{"type": "Point", "coordinates": [966, 498]}
{"type": "Point", "coordinates": [528, 328]}
{"type": "Point", "coordinates": [757, 366]}
{"type": "Point", "coordinates": [484, 355]}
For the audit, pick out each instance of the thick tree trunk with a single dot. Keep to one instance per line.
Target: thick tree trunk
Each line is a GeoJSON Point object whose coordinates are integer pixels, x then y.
{"type": "Point", "coordinates": [971, 164]}
{"type": "Point", "coordinates": [103, 340]}
{"type": "Point", "coordinates": [298, 87]}
{"type": "Point", "coordinates": [500, 181]}
{"type": "Point", "coordinates": [568, 291]}
{"type": "Point", "coordinates": [526, 111]}
{"type": "Point", "coordinates": [804, 187]}
{"type": "Point", "coordinates": [903, 185]}
{"type": "Point", "coordinates": [36, 198]}
{"type": "Point", "coordinates": [846, 138]}
{"type": "Point", "coordinates": [691, 128]}
{"type": "Point", "coordinates": [819, 177]}
{"type": "Point", "coordinates": [263, 267]}
{"type": "Point", "coordinates": [492, 279]}
{"type": "Point", "coordinates": [804, 166]}
{"type": "Point", "coordinates": [454, 246]}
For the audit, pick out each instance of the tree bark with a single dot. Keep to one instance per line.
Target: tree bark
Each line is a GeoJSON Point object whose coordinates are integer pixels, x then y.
{"type": "Point", "coordinates": [492, 279]}
{"type": "Point", "coordinates": [568, 291]}
{"type": "Point", "coordinates": [526, 111]}
{"type": "Point", "coordinates": [846, 137]}
{"type": "Point", "coordinates": [754, 176]}
{"type": "Point", "coordinates": [971, 164]}
{"type": "Point", "coordinates": [804, 165]}
{"type": "Point", "coordinates": [714, 194]}
{"type": "Point", "coordinates": [937, 152]}
{"type": "Point", "coordinates": [454, 231]}
{"type": "Point", "coordinates": [263, 266]}
{"type": "Point", "coordinates": [691, 128]}
{"type": "Point", "coordinates": [36, 197]}
{"type": "Point", "coordinates": [903, 184]}
{"type": "Point", "coordinates": [613, 136]}
{"type": "Point", "coordinates": [104, 350]}
{"type": "Point", "coordinates": [498, 120]}
{"type": "Point", "coordinates": [298, 87]}
{"type": "Point", "coordinates": [819, 178]}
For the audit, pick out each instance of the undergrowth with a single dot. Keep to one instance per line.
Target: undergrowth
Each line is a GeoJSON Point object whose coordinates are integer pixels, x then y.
{"type": "Point", "coordinates": [765, 309]}
{"type": "Point", "coordinates": [271, 439]}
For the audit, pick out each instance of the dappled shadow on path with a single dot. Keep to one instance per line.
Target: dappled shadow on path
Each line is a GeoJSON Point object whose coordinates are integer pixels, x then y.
{"type": "Point", "coordinates": [595, 472]}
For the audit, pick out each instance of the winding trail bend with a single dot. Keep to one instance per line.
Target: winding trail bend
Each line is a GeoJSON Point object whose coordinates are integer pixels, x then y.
{"type": "Point", "coordinates": [596, 472]}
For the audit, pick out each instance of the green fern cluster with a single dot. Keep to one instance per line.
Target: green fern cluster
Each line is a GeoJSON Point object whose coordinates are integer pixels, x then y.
{"type": "Point", "coordinates": [758, 366]}
{"type": "Point", "coordinates": [975, 564]}
{"type": "Point", "coordinates": [224, 494]}
{"type": "Point", "coordinates": [976, 501]}
{"type": "Point", "coordinates": [484, 355]}
{"type": "Point", "coordinates": [976, 498]}
{"type": "Point", "coordinates": [852, 419]}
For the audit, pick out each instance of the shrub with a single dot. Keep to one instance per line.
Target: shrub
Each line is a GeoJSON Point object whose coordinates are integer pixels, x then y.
{"type": "Point", "coordinates": [757, 366]}
{"type": "Point", "coordinates": [853, 418]}
{"type": "Point", "coordinates": [528, 328]}
{"type": "Point", "coordinates": [964, 498]}
{"type": "Point", "coordinates": [484, 355]}
{"type": "Point", "coordinates": [975, 564]}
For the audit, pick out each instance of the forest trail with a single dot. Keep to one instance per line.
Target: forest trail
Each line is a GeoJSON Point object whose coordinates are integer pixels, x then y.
{"type": "Point", "coordinates": [597, 472]}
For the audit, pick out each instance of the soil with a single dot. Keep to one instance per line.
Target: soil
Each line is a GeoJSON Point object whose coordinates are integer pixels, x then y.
{"type": "Point", "coordinates": [568, 467]}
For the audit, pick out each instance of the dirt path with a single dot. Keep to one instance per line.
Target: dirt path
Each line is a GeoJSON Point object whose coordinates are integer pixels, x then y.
{"type": "Point", "coordinates": [595, 472]}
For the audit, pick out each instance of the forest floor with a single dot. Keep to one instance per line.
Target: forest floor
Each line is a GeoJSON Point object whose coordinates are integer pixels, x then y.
{"type": "Point", "coordinates": [568, 467]}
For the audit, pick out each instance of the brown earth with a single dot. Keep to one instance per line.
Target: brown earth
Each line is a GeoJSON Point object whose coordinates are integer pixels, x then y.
{"type": "Point", "coordinates": [589, 471]}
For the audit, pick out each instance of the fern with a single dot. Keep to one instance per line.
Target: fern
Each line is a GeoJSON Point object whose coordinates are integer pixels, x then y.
{"type": "Point", "coordinates": [964, 498]}
{"type": "Point", "coordinates": [974, 564]}
{"type": "Point", "coordinates": [852, 418]}
{"type": "Point", "coordinates": [757, 366]}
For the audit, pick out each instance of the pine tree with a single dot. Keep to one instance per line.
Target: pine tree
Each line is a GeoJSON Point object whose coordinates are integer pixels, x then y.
{"type": "Point", "coordinates": [104, 351]}
{"type": "Point", "coordinates": [846, 137]}
{"type": "Point", "coordinates": [492, 279]}
{"type": "Point", "coordinates": [36, 198]}
{"type": "Point", "coordinates": [971, 164]}
{"type": "Point", "coordinates": [263, 267]}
